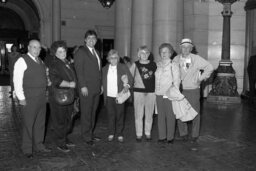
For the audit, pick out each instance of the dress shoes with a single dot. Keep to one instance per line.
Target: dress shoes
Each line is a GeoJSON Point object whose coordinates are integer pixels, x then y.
{"type": "Point", "coordinates": [90, 142]}
{"type": "Point", "coordinates": [161, 141]}
{"type": "Point", "coordinates": [28, 155]}
{"type": "Point", "coordinates": [183, 138]}
{"type": "Point", "coordinates": [148, 138]}
{"type": "Point", "coordinates": [194, 139]}
{"type": "Point", "coordinates": [70, 143]}
{"type": "Point", "coordinates": [63, 149]}
{"type": "Point", "coordinates": [96, 139]}
{"type": "Point", "coordinates": [139, 139]}
{"type": "Point", "coordinates": [170, 141]}
{"type": "Point", "coordinates": [43, 150]}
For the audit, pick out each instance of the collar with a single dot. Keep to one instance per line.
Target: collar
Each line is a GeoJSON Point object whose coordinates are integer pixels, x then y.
{"type": "Point", "coordinates": [90, 48]}
{"type": "Point", "coordinates": [34, 58]}
{"type": "Point", "coordinates": [186, 59]}
{"type": "Point", "coordinates": [112, 67]}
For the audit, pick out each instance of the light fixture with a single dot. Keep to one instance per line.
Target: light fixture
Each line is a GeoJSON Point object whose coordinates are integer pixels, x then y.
{"type": "Point", "coordinates": [3, 1]}
{"type": "Point", "coordinates": [107, 3]}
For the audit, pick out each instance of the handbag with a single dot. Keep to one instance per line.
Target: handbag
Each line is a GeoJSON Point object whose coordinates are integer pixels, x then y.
{"type": "Point", "coordinates": [64, 96]}
{"type": "Point", "coordinates": [174, 93]}
{"type": "Point", "coordinates": [122, 96]}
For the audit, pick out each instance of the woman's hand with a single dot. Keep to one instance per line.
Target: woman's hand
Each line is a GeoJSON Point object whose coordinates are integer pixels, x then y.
{"type": "Point", "coordinates": [72, 84]}
{"type": "Point", "coordinates": [84, 91]}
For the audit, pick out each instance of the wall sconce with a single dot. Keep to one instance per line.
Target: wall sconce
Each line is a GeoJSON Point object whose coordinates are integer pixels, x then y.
{"type": "Point", "coordinates": [107, 3]}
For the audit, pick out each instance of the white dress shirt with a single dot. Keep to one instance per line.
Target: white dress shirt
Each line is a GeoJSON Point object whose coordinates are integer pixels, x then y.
{"type": "Point", "coordinates": [18, 74]}
{"type": "Point", "coordinates": [112, 89]}
{"type": "Point", "coordinates": [98, 58]}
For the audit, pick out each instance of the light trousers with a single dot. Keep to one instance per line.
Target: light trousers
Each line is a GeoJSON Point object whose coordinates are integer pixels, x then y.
{"type": "Point", "coordinates": [143, 104]}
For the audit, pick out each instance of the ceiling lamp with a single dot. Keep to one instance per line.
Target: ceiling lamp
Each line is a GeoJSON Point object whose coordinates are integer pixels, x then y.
{"type": "Point", "coordinates": [3, 1]}
{"type": "Point", "coordinates": [107, 3]}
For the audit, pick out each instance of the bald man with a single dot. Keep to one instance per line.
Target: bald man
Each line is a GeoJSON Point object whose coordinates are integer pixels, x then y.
{"type": "Point", "coordinates": [30, 88]}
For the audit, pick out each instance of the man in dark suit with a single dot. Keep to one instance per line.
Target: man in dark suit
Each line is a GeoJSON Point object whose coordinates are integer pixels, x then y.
{"type": "Point", "coordinates": [88, 69]}
{"type": "Point", "coordinates": [251, 69]}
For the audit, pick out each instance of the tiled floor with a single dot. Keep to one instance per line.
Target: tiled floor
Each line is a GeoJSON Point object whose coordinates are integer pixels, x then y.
{"type": "Point", "coordinates": [227, 142]}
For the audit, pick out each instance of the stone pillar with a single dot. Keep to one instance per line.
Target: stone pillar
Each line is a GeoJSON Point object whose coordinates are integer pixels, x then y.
{"type": "Point", "coordinates": [123, 27]}
{"type": "Point", "coordinates": [224, 87]}
{"type": "Point", "coordinates": [167, 23]}
{"type": "Point", "coordinates": [142, 13]}
{"type": "Point", "coordinates": [56, 20]}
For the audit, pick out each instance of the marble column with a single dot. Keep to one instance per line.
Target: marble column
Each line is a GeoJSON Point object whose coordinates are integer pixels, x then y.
{"type": "Point", "coordinates": [56, 20]}
{"type": "Point", "coordinates": [142, 13]}
{"type": "Point", "coordinates": [167, 23]}
{"type": "Point", "coordinates": [123, 27]}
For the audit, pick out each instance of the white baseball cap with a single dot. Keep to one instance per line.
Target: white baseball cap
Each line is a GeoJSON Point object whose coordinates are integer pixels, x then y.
{"type": "Point", "coordinates": [186, 41]}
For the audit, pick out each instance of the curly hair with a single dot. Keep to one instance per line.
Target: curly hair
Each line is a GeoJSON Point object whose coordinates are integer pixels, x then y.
{"type": "Point", "coordinates": [57, 44]}
{"type": "Point", "coordinates": [166, 45]}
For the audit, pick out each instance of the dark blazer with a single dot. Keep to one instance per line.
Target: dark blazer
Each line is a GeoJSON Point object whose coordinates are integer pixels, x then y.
{"type": "Point", "coordinates": [251, 69]}
{"type": "Point", "coordinates": [87, 70]}
{"type": "Point", "coordinates": [122, 69]}
{"type": "Point", "coordinates": [58, 71]}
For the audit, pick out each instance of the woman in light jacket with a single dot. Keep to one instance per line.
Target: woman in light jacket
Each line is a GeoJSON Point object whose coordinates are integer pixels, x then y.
{"type": "Point", "coordinates": [167, 74]}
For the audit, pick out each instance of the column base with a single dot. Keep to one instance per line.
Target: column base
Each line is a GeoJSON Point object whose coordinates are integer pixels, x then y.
{"type": "Point", "coordinates": [223, 99]}
{"type": "Point", "coordinates": [224, 87]}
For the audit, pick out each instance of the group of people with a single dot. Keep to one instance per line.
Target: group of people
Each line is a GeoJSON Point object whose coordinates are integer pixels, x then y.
{"type": "Point", "coordinates": [147, 81]}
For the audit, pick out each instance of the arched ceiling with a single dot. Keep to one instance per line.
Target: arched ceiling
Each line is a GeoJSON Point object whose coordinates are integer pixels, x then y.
{"type": "Point", "coordinates": [19, 14]}
{"type": "Point", "coordinates": [10, 20]}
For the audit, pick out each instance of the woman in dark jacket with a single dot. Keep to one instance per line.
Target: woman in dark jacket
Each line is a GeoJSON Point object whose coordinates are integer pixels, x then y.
{"type": "Point", "coordinates": [62, 75]}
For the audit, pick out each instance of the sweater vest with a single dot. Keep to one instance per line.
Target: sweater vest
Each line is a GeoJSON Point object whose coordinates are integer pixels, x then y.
{"type": "Point", "coordinates": [34, 80]}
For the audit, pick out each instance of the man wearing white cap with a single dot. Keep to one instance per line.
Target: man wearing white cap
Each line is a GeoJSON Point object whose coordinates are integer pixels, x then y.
{"type": "Point", "coordinates": [191, 66]}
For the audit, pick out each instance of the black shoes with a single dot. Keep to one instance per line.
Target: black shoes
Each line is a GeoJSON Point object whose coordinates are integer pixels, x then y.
{"type": "Point", "coordinates": [139, 139]}
{"type": "Point", "coordinates": [148, 138]}
{"type": "Point", "coordinates": [162, 141]}
{"type": "Point", "coordinates": [90, 142]}
{"type": "Point", "coordinates": [194, 139]}
{"type": "Point", "coordinates": [43, 150]}
{"type": "Point", "coordinates": [183, 138]}
{"type": "Point", "coordinates": [63, 149]}
{"type": "Point", "coordinates": [70, 143]}
{"type": "Point", "coordinates": [170, 141]}
{"type": "Point", "coordinates": [96, 139]}
{"type": "Point", "coordinates": [28, 155]}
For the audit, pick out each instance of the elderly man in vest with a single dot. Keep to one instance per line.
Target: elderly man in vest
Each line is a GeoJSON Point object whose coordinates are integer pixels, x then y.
{"type": "Point", "coordinates": [191, 66]}
{"type": "Point", "coordinates": [30, 87]}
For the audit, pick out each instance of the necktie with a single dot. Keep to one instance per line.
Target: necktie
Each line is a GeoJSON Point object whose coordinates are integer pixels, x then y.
{"type": "Point", "coordinates": [94, 54]}
{"type": "Point", "coordinates": [37, 60]}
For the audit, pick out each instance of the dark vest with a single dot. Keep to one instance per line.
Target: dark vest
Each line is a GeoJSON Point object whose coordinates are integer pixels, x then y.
{"type": "Point", "coordinates": [34, 80]}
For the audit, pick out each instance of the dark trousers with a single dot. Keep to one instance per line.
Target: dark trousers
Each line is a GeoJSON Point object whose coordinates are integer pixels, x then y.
{"type": "Point", "coordinates": [252, 82]}
{"type": "Point", "coordinates": [166, 118]}
{"type": "Point", "coordinates": [33, 113]}
{"type": "Point", "coordinates": [193, 96]}
{"type": "Point", "coordinates": [115, 116]}
{"type": "Point", "coordinates": [88, 106]}
{"type": "Point", "coordinates": [61, 121]}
